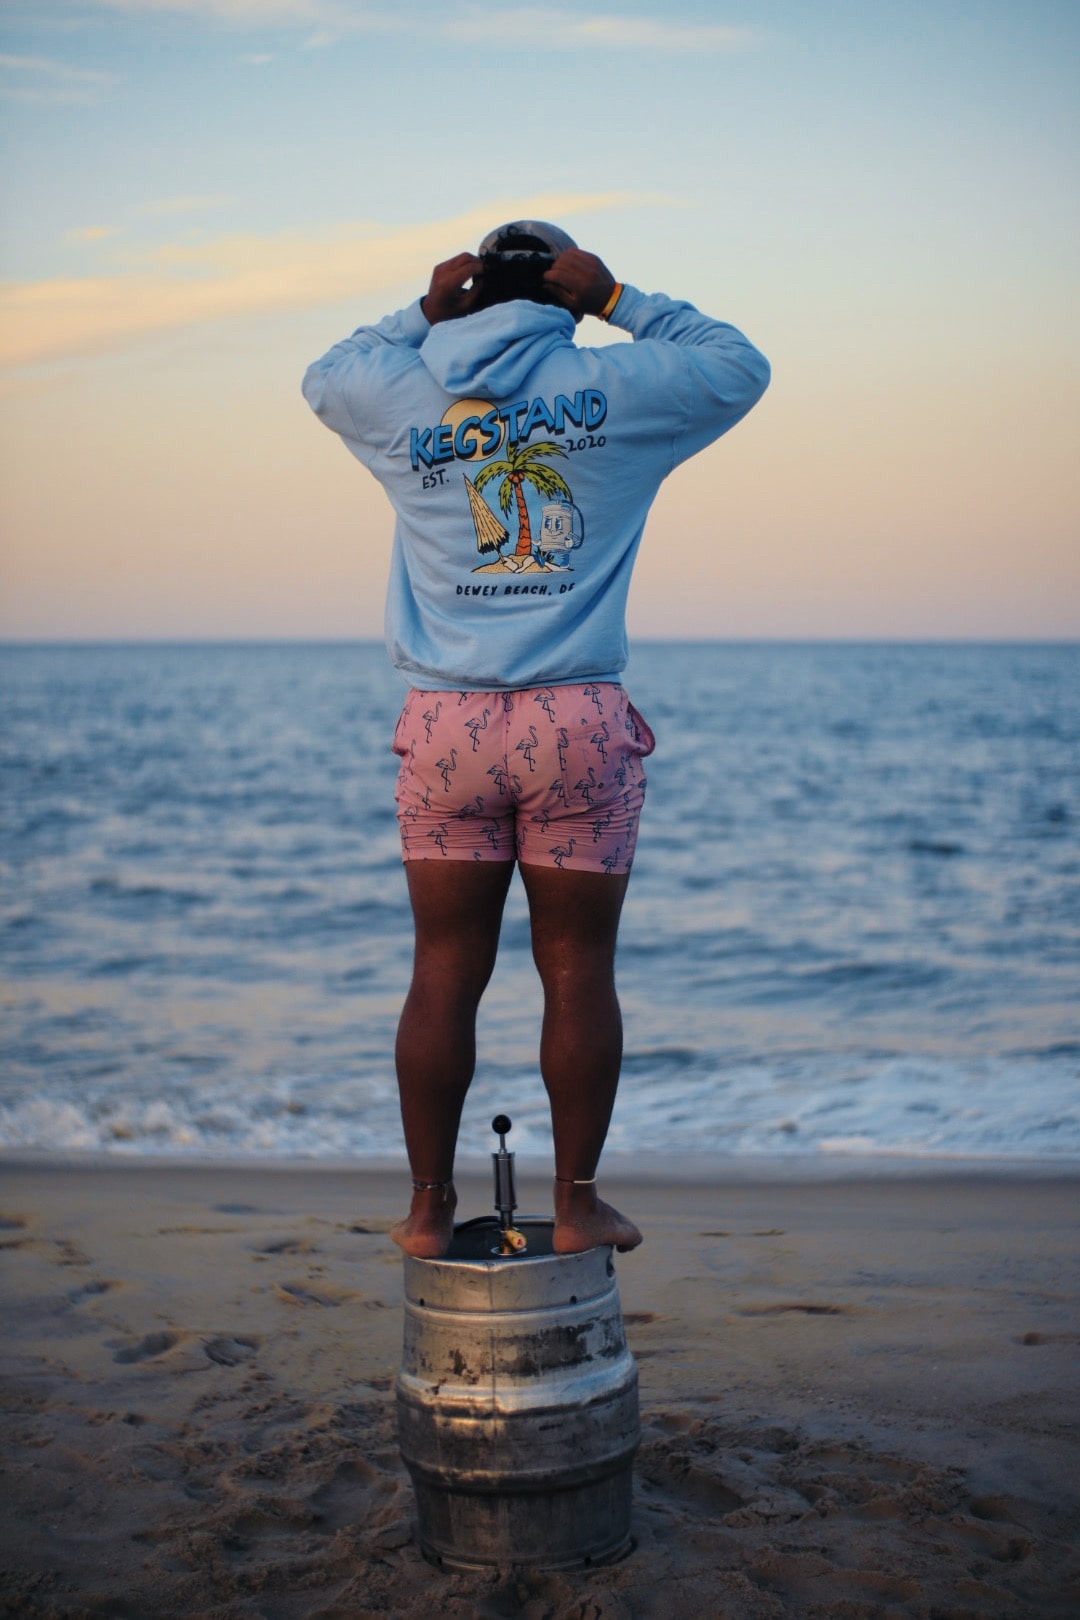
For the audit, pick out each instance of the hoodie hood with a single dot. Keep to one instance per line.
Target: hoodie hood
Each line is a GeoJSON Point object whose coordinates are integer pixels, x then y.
{"type": "Point", "coordinates": [495, 350]}
{"type": "Point", "coordinates": [521, 465]}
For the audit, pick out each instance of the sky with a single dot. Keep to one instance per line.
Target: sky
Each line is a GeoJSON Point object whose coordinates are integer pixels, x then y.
{"type": "Point", "coordinates": [201, 196]}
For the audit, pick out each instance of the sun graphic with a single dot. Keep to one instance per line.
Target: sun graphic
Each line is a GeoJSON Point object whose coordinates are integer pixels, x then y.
{"type": "Point", "coordinates": [459, 412]}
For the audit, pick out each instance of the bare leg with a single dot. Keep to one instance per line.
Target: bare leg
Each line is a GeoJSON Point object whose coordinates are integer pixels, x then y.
{"type": "Point", "coordinates": [575, 921]}
{"type": "Point", "coordinates": [457, 909]}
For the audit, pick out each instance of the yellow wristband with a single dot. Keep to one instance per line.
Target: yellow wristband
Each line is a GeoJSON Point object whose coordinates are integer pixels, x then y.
{"type": "Point", "coordinates": [609, 308]}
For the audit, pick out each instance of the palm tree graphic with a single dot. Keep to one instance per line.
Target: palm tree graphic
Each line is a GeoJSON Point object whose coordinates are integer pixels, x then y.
{"type": "Point", "coordinates": [523, 463]}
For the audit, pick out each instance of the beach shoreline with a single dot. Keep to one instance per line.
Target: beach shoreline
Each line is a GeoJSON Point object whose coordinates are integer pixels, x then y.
{"type": "Point", "coordinates": [859, 1394]}
{"type": "Point", "coordinates": [666, 1168]}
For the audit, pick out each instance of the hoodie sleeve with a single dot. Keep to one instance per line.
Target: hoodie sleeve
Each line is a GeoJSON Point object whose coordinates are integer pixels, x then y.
{"type": "Point", "coordinates": [720, 372]}
{"type": "Point", "coordinates": [339, 387]}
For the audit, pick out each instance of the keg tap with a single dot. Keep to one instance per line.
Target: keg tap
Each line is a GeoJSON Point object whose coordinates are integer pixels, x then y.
{"type": "Point", "coordinates": [511, 1241]}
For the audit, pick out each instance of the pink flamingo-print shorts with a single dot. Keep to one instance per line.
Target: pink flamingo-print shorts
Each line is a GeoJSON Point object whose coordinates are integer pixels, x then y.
{"type": "Point", "coordinates": [549, 775]}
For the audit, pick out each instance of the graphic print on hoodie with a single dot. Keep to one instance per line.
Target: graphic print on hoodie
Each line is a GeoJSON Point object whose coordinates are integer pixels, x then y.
{"type": "Point", "coordinates": [521, 468]}
{"type": "Point", "coordinates": [517, 466]}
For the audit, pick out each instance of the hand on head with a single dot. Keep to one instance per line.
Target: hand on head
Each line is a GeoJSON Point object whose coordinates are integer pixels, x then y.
{"type": "Point", "coordinates": [578, 281]}
{"type": "Point", "coordinates": [581, 282]}
{"type": "Point", "coordinates": [448, 297]}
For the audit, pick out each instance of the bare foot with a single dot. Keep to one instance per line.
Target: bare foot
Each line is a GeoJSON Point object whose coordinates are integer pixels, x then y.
{"type": "Point", "coordinates": [428, 1228]}
{"type": "Point", "coordinates": [583, 1221]}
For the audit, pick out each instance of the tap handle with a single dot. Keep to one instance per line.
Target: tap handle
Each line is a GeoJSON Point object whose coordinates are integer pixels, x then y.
{"type": "Point", "coordinates": [503, 1165]}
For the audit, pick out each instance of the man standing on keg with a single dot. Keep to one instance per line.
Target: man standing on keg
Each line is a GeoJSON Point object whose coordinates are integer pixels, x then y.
{"type": "Point", "coordinates": [521, 468]}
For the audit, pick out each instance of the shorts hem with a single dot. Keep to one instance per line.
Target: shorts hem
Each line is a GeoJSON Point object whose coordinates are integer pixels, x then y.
{"type": "Point", "coordinates": [573, 863]}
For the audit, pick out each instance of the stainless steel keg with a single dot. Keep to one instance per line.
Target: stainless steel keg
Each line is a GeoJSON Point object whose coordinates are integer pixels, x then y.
{"type": "Point", "coordinates": [517, 1403]}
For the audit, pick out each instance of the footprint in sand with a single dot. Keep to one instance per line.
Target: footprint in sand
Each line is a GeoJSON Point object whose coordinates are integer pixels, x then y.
{"type": "Point", "coordinates": [287, 1246]}
{"type": "Point", "coordinates": [306, 1293]}
{"type": "Point", "coordinates": [989, 1543]}
{"type": "Point", "coordinates": [998, 1509]}
{"type": "Point", "coordinates": [227, 1352]}
{"type": "Point", "coordinates": [770, 1231]}
{"type": "Point", "coordinates": [360, 1492]}
{"type": "Point", "coordinates": [663, 1469]}
{"type": "Point", "coordinates": [70, 1254]}
{"type": "Point", "coordinates": [93, 1288]}
{"type": "Point", "coordinates": [188, 1230]}
{"type": "Point", "coordinates": [12, 1223]}
{"type": "Point", "coordinates": [796, 1305]}
{"type": "Point", "coordinates": [147, 1348]}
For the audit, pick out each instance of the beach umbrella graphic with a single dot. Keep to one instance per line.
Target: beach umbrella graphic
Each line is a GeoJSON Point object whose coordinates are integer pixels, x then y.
{"type": "Point", "coordinates": [490, 533]}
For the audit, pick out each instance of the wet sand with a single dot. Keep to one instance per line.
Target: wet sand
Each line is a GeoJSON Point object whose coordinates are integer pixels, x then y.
{"type": "Point", "coordinates": [859, 1398]}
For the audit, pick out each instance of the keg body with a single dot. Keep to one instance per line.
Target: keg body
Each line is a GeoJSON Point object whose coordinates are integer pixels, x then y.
{"type": "Point", "coordinates": [518, 1407]}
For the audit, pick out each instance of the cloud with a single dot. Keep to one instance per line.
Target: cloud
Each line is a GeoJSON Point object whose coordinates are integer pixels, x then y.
{"type": "Point", "coordinates": [183, 285]}
{"type": "Point", "coordinates": [339, 15]}
{"type": "Point", "coordinates": [40, 78]}
{"type": "Point", "coordinates": [253, 12]}
{"type": "Point", "coordinates": [546, 27]}
{"type": "Point", "coordinates": [551, 29]}
{"type": "Point", "coordinates": [89, 233]}
{"type": "Point", "coordinates": [326, 21]}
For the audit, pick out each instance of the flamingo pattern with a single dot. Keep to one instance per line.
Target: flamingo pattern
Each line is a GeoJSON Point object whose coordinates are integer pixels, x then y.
{"type": "Point", "coordinates": [475, 726]}
{"type": "Point", "coordinates": [474, 807]}
{"type": "Point", "coordinates": [600, 824]}
{"type": "Point", "coordinates": [527, 748]}
{"type": "Point", "coordinates": [446, 768]}
{"type": "Point", "coordinates": [587, 785]}
{"type": "Point", "coordinates": [438, 836]}
{"type": "Point", "coordinates": [551, 775]}
{"type": "Point", "coordinates": [506, 783]}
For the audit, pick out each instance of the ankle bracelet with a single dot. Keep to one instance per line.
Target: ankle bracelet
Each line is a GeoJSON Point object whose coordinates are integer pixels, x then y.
{"type": "Point", "coordinates": [429, 1186]}
{"type": "Point", "coordinates": [569, 1181]}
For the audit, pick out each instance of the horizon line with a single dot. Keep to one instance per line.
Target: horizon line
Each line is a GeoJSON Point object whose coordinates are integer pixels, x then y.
{"type": "Point", "coordinates": [956, 640]}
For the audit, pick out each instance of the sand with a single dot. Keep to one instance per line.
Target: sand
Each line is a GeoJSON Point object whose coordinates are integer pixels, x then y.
{"type": "Point", "coordinates": [859, 1398]}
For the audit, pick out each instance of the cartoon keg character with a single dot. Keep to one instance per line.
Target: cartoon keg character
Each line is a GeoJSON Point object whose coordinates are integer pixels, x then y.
{"type": "Point", "coordinates": [562, 530]}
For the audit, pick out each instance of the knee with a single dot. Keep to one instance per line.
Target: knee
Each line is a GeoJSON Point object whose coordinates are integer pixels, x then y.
{"type": "Point", "coordinates": [573, 972]}
{"type": "Point", "coordinates": [455, 976]}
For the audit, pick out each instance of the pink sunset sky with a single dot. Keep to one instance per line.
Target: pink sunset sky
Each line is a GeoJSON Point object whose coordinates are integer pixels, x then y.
{"type": "Point", "coordinates": [203, 195]}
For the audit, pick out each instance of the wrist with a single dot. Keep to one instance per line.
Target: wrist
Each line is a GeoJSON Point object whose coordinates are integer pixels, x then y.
{"type": "Point", "coordinates": [608, 310]}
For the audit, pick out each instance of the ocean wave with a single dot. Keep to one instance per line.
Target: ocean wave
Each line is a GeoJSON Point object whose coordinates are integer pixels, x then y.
{"type": "Point", "coordinates": [853, 924]}
{"type": "Point", "coordinates": [668, 1103]}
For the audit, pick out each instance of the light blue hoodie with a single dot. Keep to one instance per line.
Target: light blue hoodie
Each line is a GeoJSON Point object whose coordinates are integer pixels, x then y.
{"type": "Point", "coordinates": [521, 469]}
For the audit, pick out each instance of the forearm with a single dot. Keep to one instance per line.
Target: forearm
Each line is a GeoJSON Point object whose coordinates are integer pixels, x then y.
{"type": "Point", "coordinates": [724, 374]}
{"type": "Point", "coordinates": [669, 320]}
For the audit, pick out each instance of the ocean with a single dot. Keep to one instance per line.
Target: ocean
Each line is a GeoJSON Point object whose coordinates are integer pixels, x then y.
{"type": "Point", "coordinates": [852, 931]}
